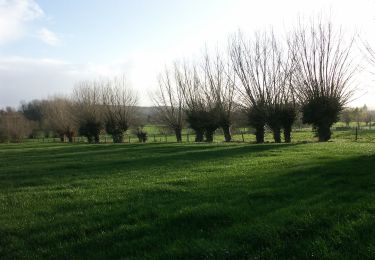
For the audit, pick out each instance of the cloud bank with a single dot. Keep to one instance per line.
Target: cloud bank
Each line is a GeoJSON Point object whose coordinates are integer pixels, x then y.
{"type": "Point", "coordinates": [49, 37]}
{"type": "Point", "coordinates": [14, 15]}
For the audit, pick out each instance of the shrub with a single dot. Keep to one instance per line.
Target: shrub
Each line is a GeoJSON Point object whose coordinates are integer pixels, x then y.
{"type": "Point", "coordinates": [141, 134]}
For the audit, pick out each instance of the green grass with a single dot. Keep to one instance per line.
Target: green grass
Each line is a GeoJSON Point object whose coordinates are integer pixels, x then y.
{"type": "Point", "coordinates": [192, 201]}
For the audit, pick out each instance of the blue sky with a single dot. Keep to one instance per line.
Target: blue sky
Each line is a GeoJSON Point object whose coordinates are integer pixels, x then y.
{"type": "Point", "coordinates": [92, 30]}
{"type": "Point", "coordinates": [46, 46]}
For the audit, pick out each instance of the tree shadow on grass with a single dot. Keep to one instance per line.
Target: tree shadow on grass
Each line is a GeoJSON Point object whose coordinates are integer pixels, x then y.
{"type": "Point", "coordinates": [103, 161]}
{"type": "Point", "coordinates": [321, 211]}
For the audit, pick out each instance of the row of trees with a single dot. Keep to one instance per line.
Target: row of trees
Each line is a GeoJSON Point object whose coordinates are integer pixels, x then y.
{"type": "Point", "coordinates": [93, 106]}
{"type": "Point", "coordinates": [109, 103]}
{"type": "Point", "coordinates": [358, 115]}
{"type": "Point", "coordinates": [270, 80]}
{"type": "Point", "coordinates": [13, 126]}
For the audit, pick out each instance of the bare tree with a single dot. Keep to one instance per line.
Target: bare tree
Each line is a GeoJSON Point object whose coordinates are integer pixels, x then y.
{"type": "Point", "coordinates": [219, 88]}
{"type": "Point", "coordinates": [119, 107]}
{"type": "Point", "coordinates": [347, 116]}
{"type": "Point", "coordinates": [370, 117]}
{"type": "Point", "coordinates": [88, 115]}
{"type": "Point", "coordinates": [252, 90]}
{"type": "Point", "coordinates": [201, 109]}
{"type": "Point", "coordinates": [13, 126]}
{"type": "Point", "coordinates": [195, 105]}
{"type": "Point", "coordinates": [265, 71]}
{"type": "Point", "coordinates": [169, 101]}
{"type": "Point", "coordinates": [58, 114]}
{"type": "Point", "coordinates": [324, 74]}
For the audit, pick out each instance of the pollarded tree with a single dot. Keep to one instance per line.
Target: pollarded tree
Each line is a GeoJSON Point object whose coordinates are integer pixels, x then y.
{"type": "Point", "coordinates": [88, 112]}
{"type": "Point", "coordinates": [252, 91]}
{"type": "Point", "coordinates": [277, 66]}
{"type": "Point", "coordinates": [219, 88]}
{"type": "Point", "coordinates": [169, 101]}
{"type": "Point", "coordinates": [324, 73]}
{"type": "Point", "coordinates": [192, 91]}
{"type": "Point", "coordinates": [201, 108]}
{"type": "Point", "coordinates": [59, 118]}
{"type": "Point", "coordinates": [265, 72]}
{"type": "Point", "coordinates": [119, 107]}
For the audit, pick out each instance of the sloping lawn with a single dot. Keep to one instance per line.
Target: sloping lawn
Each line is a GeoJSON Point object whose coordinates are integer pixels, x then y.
{"type": "Point", "coordinates": [163, 201]}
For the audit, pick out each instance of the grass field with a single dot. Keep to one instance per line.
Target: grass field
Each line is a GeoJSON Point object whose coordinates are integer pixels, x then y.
{"type": "Point", "coordinates": [192, 201]}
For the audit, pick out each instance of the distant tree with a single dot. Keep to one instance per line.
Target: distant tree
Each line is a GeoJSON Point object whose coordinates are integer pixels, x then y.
{"type": "Point", "coordinates": [13, 126]}
{"type": "Point", "coordinates": [34, 112]}
{"type": "Point", "coordinates": [58, 113]}
{"type": "Point", "coordinates": [119, 107]}
{"type": "Point", "coordinates": [141, 134]}
{"type": "Point", "coordinates": [347, 116]}
{"type": "Point", "coordinates": [323, 75]}
{"type": "Point", "coordinates": [369, 117]}
{"type": "Point", "coordinates": [169, 101]}
{"type": "Point", "coordinates": [89, 112]}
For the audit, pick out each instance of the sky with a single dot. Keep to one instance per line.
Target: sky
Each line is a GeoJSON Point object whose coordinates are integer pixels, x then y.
{"type": "Point", "coordinates": [47, 46]}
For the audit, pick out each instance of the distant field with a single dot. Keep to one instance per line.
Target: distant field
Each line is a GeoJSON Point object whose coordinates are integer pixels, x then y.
{"type": "Point", "coordinates": [191, 201]}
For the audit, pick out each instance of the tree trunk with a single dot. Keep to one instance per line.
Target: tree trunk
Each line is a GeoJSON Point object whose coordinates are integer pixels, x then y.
{"type": "Point", "coordinates": [96, 139]}
{"type": "Point", "coordinates": [178, 133]}
{"type": "Point", "coordinates": [259, 134]}
{"type": "Point", "coordinates": [227, 133]}
{"type": "Point", "coordinates": [90, 139]}
{"type": "Point", "coordinates": [288, 134]}
{"type": "Point", "coordinates": [199, 136]}
{"type": "Point", "coordinates": [277, 135]}
{"type": "Point", "coordinates": [118, 138]}
{"type": "Point", "coordinates": [324, 133]}
{"type": "Point", "coordinates": [70, 136]}
{"type": "Point", "coordinates": [209, 135]}
{"type": "Point", "coordinates": [62, 137]}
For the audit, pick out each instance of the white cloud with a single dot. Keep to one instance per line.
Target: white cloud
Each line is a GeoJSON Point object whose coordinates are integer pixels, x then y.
{"type": "Point", "coordinates": [48, 37]}
{"type": "Point", "coordinates": [13, 16]}
{"type": "Point", "coordinates": [26, 78]}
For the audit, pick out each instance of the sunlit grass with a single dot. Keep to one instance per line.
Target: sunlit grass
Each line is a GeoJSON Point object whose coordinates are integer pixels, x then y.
{"type": "Point", "coordinates": [187, 201]}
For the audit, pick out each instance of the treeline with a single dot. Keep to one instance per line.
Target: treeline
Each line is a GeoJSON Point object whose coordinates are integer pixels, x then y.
{"type": "Point", "coordinates": [358, 115]}
{"type": "Point", "coordinates": [94, 106]}
{"type": "Point", "coordinates": [270, 81]}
